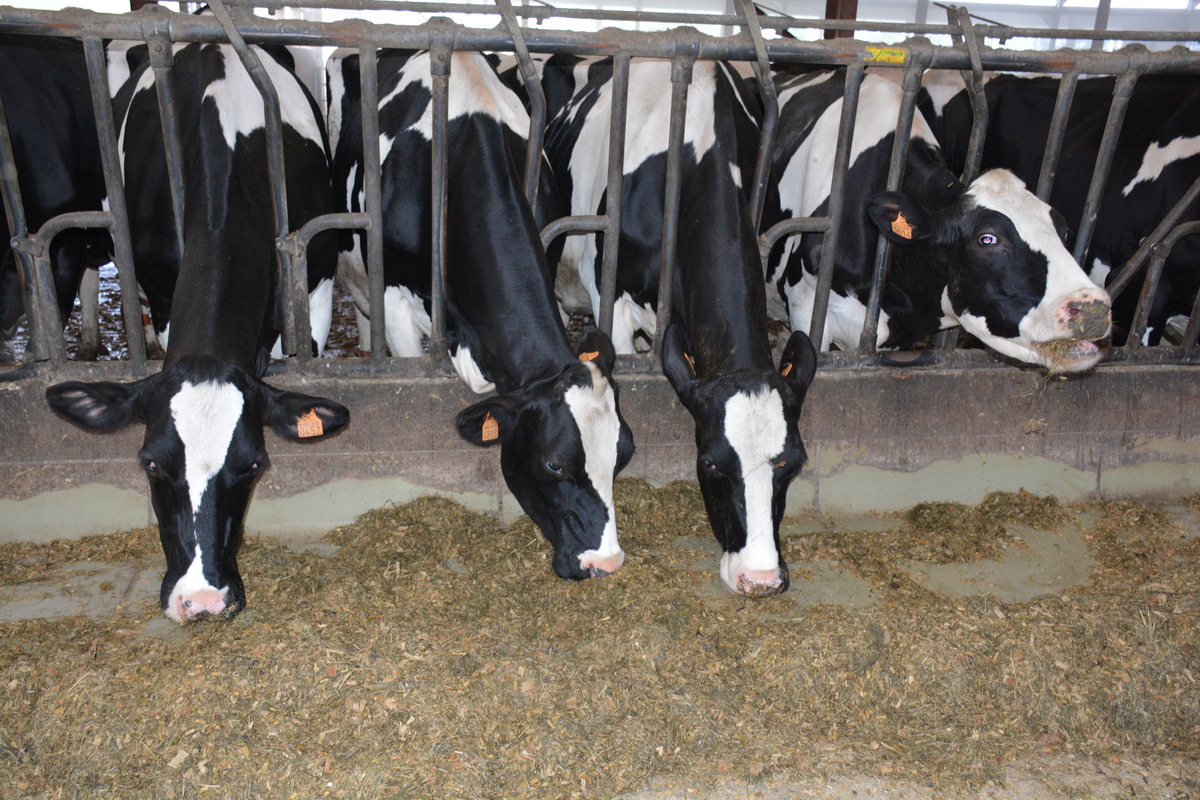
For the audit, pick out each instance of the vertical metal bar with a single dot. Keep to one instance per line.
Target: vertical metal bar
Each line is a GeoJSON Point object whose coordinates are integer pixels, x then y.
{"type": "Point", "coordinates": [373, 197]}
{"type": "Point", "coordinates": [47, 307]}
{"type": "Point", "coordinates": [114, 180]}
{"type": "Point", "coordinates": [1058, 129]}
{"type": "Point", "coordinates": [908, 107]}
{"type": "Point", "coordinates": [162, 58]}
{"type": "Point", "coordinates": [616, 187]}
{"type": "Point", "coordinates": [1122, 93]}
{"type": "Point", "coordinates": [837, 193]}
{"type": "Point", "coordinates": [290, 285]}
{"type": "Point", "coordinates": [1137, 329]}
{"type": "Point", "coordinates": [770, 124]}
{"type": "Point", "coordinates": [979, 106]}
{"type": "Point", "coordinates": [20, 241]}
{"type": "Point", "coordinates": [439, 60]}
{"type": "Point", "coordinates": [537, 103]}
{"type": "Point", "coordinates": [681, 78]}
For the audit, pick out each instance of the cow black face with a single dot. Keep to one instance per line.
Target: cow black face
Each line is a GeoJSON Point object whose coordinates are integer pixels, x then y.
{"type": "Point", "coordinates": [203, 454]}
{"type": "Point", "coordinates": [748, 450]}
{"type": "Point", "coordinates": [562, 442]}
{"type": "Point", "coordinates": [1009, 279]}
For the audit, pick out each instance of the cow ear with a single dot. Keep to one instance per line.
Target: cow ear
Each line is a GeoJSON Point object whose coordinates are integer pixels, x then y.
{"type": "Point", "coordinates": [594, 346]}
{"type": "Point", "coordinates": [900, 219]}
{"type": "Point", "coordinates": [798, 364]}
{"type": "Point", "coordinates": [101, 406]}
{"type": "Point", "coordinates": [488, 422]}
{"type": "Point", "coordinates": [677, 361]}
{"type": "Point", "coordinates": [299, 416]}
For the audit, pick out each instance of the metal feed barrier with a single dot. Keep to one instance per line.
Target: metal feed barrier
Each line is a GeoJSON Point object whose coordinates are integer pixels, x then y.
{"type": "Point", "coordinates": [159, 28]}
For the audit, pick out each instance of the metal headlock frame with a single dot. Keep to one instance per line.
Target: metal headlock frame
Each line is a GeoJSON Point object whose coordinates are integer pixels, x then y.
{"type": "Point", "coordinates": [160, 29]}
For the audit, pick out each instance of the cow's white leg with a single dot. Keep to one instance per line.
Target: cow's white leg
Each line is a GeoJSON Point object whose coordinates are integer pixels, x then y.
{"type": "Point", "coordinates": [352, 275]}
{"type": "Point", "coordinates": [89, 313]}
{"type": "Point", "coordinates": [628, 319]}
{"type": "Point", "coordinates": [320, 313]}
{"type": "Point", "coordinates": [407, 322]}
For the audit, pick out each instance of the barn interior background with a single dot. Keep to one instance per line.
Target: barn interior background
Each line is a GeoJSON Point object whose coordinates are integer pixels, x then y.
{"type": "Point", "coordinates": [882, 430]}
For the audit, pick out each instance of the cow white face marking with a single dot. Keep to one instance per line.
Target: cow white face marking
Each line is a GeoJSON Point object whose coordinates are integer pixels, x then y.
{"type": "Point", "coordinates": [594, 409]}
{"type": "Point", "coordinates": [757, 430]}
{"type": "Point", "coordinates": [1158, 157]}
{"type": "Point", "coordinates": [205, 417]}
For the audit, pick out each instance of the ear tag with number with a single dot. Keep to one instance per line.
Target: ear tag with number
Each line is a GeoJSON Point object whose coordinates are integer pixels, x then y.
{"type": "Point", "coordinates": [589, 356]}
{"type": "Point", "coordinates": [489, 431]}
{"type": "Point", "coordinates": [901, 228]}
{"type": "Point", "coordinates": [309, 424]}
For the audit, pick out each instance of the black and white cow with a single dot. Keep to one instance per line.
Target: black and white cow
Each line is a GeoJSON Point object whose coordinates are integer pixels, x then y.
{"type": "Point", "coordinates": [205, 411]}
{"type": "Point", "coordinates": [48, 104]}
{"type": "Point", "coordinates": [556, 418]}
{"type": "Point", "coordinates": [716, 352]}
{"type": "Point", "coordinates": [989, 256]}
{"type": "Point", "coordinates": [1156, 161]}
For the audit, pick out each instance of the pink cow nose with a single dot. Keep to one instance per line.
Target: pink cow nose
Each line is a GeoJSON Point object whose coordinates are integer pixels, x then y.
{"type": "Point", "coordinates": [598, 567]}
{"type": "Point", "coordinates": [207, 602]}
{"type": "Point", "coordinates": [759, 582]}
{"type": "Point", "coordinates": [1086, 315]}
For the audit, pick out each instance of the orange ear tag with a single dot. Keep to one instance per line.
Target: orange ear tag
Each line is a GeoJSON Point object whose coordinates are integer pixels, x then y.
{"type": "Point", "coordinates": [589, 356]}
{"type": "Point", "coordinates": [787, 369]}
{"type": "Point", "coordinates": [691, 363]}
{"type": "Point", "coordinates": [489, 431]}
{"type": "Point", "coordinates": [901, 228]}
{"type": "Point", "coordinates": [309, 424]}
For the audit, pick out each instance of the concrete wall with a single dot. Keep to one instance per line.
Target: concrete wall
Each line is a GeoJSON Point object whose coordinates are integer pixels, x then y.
{"type": "Point", "coordinates": [877, 439]}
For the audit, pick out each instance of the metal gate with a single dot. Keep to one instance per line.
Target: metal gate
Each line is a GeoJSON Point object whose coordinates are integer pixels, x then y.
{"type": "Point", "coordinates": [682, 45]}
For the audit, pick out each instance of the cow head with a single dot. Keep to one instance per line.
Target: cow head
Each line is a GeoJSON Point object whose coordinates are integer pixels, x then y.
{"type": "Point", "coordinates": [203, 454]}
{"type": "Point", "coordinates": [748, 450]}
{"type": "Point", "coordinates": [562, 442]}
{"type": "Point", "coordinates": [1010, 280]}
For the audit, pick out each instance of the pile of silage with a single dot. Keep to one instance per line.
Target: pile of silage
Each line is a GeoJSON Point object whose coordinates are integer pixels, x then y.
{"type": "Point", "coordinates": [436, 655]}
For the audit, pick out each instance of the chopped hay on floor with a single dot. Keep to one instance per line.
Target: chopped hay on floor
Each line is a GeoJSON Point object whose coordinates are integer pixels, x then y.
{"type": "Point", "coordinates": [435, 654]}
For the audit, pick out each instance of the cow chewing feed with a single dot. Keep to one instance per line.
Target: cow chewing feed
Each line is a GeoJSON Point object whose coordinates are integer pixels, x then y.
{"type": "Point", "coordinates": [715, 352]}
{"type": "Point", "coordinates": [1156, 161]}
{"type": "Point", "coordinates": [205, 411]}
{"type": "Point", "coordinates": [988, 257]}
{"type": "Point", "coordinates": [556, 417]}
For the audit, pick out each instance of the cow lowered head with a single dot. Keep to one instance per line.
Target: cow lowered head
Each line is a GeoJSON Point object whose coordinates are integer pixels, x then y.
{"type": "Point", "coordinates": [203, 454]}
{"type": "Point", "coordinates": [748, 450]}
{"type": "Point", "coordinates": [562, 442]}
{"type": "Point", "coordinates": [1009, 279]}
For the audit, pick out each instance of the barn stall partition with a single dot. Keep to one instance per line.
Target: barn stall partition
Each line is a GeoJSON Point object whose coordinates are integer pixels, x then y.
{"type": "Point", "coordinates": [884, 430]}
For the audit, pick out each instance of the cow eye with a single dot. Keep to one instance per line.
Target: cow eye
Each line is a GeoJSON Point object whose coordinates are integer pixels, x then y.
{"type": "Point", "coordinates": [707, 464]}
{"type": "Point", "coordinates": [258, 465]}
{"type": "Point", "coordinates": [554, 469]}
{"type": "Point", "coordinates": [149, 465]}
{"type": "Point", "coordinates": [988, 239]}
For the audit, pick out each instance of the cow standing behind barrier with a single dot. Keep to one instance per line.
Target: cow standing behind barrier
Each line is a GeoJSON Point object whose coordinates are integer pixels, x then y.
{"type": "Point", "coordinates": [48, 104]}
{"type": "Point", "coordinates": [988, 256]}
{"type": "Point", "coordinates": [716, 352]}
{"type": "Point", "coordinates": [204, 412]}
{"type": "Point", "coordinates": [556, 418]}
{"type": "Point", "coordinates": [1156, 161]}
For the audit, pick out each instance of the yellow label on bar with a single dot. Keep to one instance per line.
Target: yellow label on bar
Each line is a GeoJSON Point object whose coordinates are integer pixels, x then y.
{"type": "Point", "coordinates": [886, 55]}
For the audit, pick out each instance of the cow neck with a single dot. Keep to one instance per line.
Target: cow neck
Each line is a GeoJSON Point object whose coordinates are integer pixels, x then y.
{"type": "Point", "coordinates": [220, 304]}
{"type": "Point", "coordinates": [720, 284]}
{"type": "Point", "coordinates": [501, 283]}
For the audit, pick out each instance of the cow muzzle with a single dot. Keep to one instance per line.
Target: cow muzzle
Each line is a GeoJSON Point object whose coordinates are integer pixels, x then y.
{"type": "Point", "coordinates": [1086, 315]}
{"type": "Point", "coordinates": [597, 566]}
{"type": "Point", "coordinates": [202, 604]}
